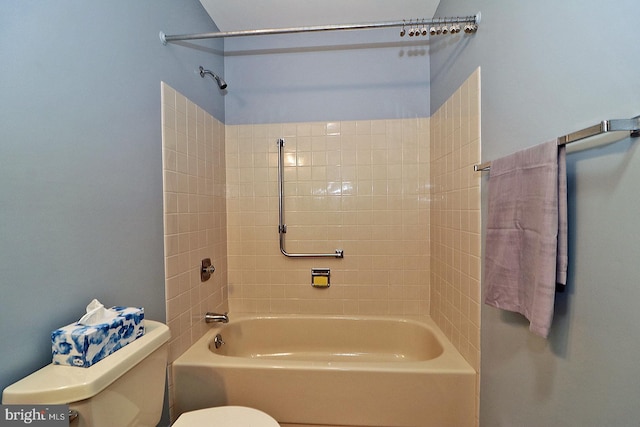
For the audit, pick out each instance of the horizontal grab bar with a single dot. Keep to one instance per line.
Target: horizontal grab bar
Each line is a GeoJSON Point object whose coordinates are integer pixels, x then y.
{"type": "Point", "coordinates": [282, 227]}
{"type": "Point", "coordinates": [339, 253]}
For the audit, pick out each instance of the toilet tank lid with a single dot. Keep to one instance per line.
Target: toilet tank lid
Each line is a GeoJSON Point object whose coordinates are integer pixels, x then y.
{"type": "Point", "coordinates": [58, 384]}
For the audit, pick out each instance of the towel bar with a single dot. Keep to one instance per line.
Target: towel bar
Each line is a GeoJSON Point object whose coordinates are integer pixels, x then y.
{"type": "Point", "coordinates": [615, 125]}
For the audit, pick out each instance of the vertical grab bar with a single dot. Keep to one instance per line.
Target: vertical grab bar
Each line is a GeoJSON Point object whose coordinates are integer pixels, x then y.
{"type": "Point", "coordinates": [282, 227]}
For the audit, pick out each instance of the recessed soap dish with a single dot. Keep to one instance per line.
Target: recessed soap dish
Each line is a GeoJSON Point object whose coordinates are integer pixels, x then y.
{"type": "Point", "coordinates": [320, 277]}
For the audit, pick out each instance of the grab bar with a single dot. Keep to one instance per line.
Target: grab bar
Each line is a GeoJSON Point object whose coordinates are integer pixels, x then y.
{"type": "Point", "coordinates": [282, 227]}
{"type": "Point", "coordinates": [615, 125]}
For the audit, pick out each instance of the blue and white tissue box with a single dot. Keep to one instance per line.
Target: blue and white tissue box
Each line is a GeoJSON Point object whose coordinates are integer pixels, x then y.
{"type": "Point", "coordinates": [83, 346]}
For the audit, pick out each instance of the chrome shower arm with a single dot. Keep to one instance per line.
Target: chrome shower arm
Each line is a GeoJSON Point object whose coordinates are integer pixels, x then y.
{"type": "Point", "coordinates": [221, 83]}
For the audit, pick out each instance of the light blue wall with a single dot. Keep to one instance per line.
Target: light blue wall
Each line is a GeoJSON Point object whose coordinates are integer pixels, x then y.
{"type": "Point", "coordinates": [549, 68]}
{"type": "Point", "coordinates": [344, 75]}
{"type": "Point", "coordinates": [80, 159]}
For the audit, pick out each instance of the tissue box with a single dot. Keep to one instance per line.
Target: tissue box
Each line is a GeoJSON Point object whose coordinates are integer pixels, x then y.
{"type": "Point", "coordinates": [80, 345]}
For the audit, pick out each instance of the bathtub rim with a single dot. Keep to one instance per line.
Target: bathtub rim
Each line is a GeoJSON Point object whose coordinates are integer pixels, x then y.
{"type": "Point", "coordinates": [449, 362]}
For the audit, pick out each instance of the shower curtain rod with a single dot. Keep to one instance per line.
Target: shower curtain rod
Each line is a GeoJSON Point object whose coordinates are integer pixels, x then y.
{"type": "Point", "coordinates": [474, 20]}
{"type": "Point", "coordinates": [615, 125]}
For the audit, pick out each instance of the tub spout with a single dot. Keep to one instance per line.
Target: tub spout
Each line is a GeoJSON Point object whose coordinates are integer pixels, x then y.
{"type": "Point", "coordinates": [215, 317]}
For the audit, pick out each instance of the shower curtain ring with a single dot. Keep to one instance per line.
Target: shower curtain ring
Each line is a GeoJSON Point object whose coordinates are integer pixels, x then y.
{"type": "Point", "coordinates": [424, 28]}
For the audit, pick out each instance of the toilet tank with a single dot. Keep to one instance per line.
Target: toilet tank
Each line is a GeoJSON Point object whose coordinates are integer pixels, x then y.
{"type": "Point", "coordinates": [124, 389]}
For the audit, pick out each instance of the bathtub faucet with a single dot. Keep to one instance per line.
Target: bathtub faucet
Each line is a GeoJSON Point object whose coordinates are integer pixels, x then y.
{"type": "Point", "coordinates": [215, 317]}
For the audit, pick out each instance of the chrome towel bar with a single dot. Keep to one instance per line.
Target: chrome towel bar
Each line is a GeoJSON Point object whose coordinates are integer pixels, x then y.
{"type": "Point", "coordinates": [616, 125]}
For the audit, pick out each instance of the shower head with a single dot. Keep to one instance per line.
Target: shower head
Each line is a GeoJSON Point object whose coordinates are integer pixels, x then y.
{"type": "Point", "coordinates": [221, 83]}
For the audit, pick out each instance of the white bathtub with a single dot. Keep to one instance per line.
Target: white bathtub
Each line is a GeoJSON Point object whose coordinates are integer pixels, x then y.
{"type": "Point", "coordinates": [330, 371]}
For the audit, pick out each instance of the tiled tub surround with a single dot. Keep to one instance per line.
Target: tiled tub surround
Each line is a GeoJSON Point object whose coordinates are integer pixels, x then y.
{"type": "Point", "coordinates": [194, 217]}
{"type": "Point", "coordinates": [388, 192]}
{"type": "Point", "coordinates": [455, 219]}
{"type": "Point", "coordinates": [360, 186]}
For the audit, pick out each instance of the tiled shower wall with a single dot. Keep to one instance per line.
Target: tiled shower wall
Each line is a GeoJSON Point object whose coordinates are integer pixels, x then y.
{"type": "Point", "coordinates": [194, 217]}
{"type": "Point", "coordinates": [359, 186]}
{"type": "Point", "coordinates": [455, 219]}
{"type": "Point", "coordinates": [400, 197]}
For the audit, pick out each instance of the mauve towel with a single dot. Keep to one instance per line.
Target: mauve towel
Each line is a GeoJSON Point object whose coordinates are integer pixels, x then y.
{"type": "Point", "coordinates": [526, 239]}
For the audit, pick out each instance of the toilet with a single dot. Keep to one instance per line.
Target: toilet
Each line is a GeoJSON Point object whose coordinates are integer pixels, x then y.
{"type": "Point", "coordinates": [226, 416]}
{"type": "Point", "coordinates": [124, 389]}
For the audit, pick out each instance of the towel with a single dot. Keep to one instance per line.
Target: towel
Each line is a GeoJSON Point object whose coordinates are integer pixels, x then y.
{"type": "Point", "coordinates": [526, 238]}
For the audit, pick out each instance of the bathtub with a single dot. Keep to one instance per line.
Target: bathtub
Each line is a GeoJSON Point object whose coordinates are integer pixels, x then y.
{"type": "Point", "coordinates": [330, 371]}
